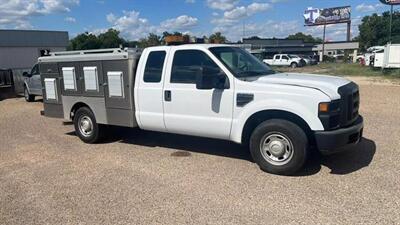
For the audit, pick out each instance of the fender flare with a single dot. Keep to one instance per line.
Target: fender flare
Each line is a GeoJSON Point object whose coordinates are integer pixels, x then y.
{"type": "Point", "coordinates": [309, 117]}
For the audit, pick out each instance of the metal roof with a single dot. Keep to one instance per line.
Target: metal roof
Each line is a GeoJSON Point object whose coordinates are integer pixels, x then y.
{"type": "Point", "coordinates": [92, 55]}
{"type": "Point", "coordinates": [33, 38]}
{"type": "Point", "coordinates": [267, 42]}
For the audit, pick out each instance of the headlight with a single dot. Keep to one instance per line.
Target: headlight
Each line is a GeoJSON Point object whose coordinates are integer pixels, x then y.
{"type": "Point", "coordinates": [329, 107]}
{"type": "Point", "coordinates": [329, 114]}
{"type": "Point", "coordinates": [323, 107]}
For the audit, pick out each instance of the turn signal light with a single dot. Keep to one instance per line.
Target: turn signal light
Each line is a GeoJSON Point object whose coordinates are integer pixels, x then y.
{"type": "Point", "coordinates": [324, 107]}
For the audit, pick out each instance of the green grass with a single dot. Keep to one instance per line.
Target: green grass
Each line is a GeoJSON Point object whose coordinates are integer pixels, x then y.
{"type": "Point", "coordinates": [343, 69]}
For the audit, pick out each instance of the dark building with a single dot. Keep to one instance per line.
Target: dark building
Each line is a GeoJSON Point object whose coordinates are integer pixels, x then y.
{"type": "Point", "coordinates": [269, 47]}
{"type": "Point", "coordinates": [20, 49]}
{"type": "Point", "coordinates": [266, 48]}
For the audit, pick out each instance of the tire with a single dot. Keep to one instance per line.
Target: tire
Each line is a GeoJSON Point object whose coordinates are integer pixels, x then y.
{"type": "Point", "coordinates": [293, 65]}
{"type": "Point", "coordinates": [285, 147]}
{"type": "Point", "coordinates": [28, 97]}
{"type": "Point", "coordinates": [86, 127]}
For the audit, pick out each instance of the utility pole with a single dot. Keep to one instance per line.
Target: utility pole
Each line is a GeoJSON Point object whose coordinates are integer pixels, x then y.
{"type": "Point", "coordinates": [391, 21]}
{"type": "Point", "coordinates": [323, 43]}
{"type": "Point", "coordinates": [349, 31]}
{"type": "Point", "coordinates": [244, 29]}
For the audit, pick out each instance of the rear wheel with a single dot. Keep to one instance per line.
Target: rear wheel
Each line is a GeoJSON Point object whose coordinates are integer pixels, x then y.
{"type": "Point", "coordinates": [279, 146]}
{"type": "Point", "coordinates": [28, 97]}
{"type": "Point", "coordinates": [293, 65]}
{"type": "Point", "coordinates": [86, 127]}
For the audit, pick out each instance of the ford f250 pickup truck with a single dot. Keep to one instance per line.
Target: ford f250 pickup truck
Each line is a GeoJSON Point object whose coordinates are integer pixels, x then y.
{"type": "Point", "coordinates": [285, 60]}
{"type": "Point", "coordinates": [32, 84]}
{"type": "Point", "coordinates": [215, 91]}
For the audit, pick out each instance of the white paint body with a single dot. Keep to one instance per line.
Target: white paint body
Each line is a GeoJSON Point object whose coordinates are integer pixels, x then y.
{"type": "Point", "coordinates": [370, 52]}
{"type": "Point", "coordinates": [378, 59]}
{"type": "Point", "coordinates": [214, 113]}
{"type": "Point", "coordinates": [282, 60]}
{"type": "Point", "coordinates": [391, 56]}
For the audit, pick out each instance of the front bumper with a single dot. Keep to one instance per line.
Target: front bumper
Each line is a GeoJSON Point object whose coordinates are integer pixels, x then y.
{"type": "Point", "coordinates": [329, 142]}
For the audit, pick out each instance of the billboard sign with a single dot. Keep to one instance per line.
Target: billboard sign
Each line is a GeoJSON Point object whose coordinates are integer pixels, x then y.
{"type": "Point", "coordinates": [391, 2]}
{"type": "Point", "coordinates": [316, 17]}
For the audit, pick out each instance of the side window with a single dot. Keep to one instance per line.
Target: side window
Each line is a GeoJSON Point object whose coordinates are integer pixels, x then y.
{"type": "Point", "coordinates": [187, 63]}
{"type": "Point", "coordinates": [285, 57]}
{"type": "Point", "coordinates": [154, 67]}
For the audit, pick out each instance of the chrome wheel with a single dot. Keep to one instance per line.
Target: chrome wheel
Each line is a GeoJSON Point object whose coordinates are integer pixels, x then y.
{"type": "Point", "coordinates": [276, 149]}
{"type": "Point", "coordinates": [85, 126]}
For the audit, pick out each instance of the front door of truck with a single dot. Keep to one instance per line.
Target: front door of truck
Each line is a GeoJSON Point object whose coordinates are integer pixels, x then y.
{"type": "Point", "coordinates": [285, 60]}
{"type": "Point", "coordinates": [149, 89]}
{"type": "Point", "coordinates": [35, 84]}
{"type": "Point", "coordinates": [188, 110]}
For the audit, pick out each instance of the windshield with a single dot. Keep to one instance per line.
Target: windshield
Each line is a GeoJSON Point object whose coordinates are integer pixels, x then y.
{"type": "Point", "coordinates": [240, 62]}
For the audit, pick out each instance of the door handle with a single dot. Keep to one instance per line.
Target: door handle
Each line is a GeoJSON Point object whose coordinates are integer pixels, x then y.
{"type": "Point", "coordinates": [167, 95]}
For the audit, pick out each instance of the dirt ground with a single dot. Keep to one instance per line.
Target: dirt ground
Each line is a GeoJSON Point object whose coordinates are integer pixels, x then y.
{"type": "Point", "coordinates": [48, 176]}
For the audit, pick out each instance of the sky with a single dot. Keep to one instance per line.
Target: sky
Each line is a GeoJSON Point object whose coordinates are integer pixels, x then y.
{"type": "Point", "coordinates": [136, 18]}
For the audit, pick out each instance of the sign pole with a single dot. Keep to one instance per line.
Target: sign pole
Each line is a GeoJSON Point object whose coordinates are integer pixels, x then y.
{"type": "Point", "coordinates": [349, 31]}
{"type": "Point", "coordinates": [323, 44]}
{"type": "Point", "coordinates": [391, 21]}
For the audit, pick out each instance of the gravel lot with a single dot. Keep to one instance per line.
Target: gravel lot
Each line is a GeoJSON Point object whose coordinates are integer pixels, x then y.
{"type": "Point", "coordinates": [48, 176]}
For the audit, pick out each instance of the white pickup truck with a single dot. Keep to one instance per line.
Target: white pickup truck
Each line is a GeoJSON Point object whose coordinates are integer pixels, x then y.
{"type": "Point", "coordinates": [285, 60]}
{"type": "Point", "coordinates": [215, 91]}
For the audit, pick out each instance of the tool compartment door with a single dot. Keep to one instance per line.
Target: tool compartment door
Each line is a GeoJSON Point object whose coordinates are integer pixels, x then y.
{"type": "Point", "coordinates": [118, 92]}
{"type": "Point", "coordinates": [51, 83]}
{"type": "Point", "coordinates": [71, 78]}
{"type": "Point", "coordinates": [117, 83]}
{"type": "Point", "coordinates": [93, 80]}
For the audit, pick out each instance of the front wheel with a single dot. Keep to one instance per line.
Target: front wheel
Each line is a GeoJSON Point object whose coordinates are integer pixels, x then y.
{"type": "Point", "coordinates": [86, 127]}
{"type": "Point", "coordinates": [279, 147]}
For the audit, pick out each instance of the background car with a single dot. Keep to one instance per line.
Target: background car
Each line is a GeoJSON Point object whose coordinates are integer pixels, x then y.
{"type": "Point", "coordinates": [32, 84]}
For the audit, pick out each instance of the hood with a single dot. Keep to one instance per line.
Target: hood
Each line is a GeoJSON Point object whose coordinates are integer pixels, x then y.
{"type": "Point", "coordinates": [327, 84]}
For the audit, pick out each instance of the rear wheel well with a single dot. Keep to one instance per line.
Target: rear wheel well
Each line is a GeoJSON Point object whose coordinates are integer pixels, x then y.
{"type": "Point", "coordinates": [76, 107]}
{"type": "Point", "coordinates": [259, 117]}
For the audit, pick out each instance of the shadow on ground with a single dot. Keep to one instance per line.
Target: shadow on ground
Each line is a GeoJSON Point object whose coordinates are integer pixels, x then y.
{"type": "Point", "coordinates": [349, 161]}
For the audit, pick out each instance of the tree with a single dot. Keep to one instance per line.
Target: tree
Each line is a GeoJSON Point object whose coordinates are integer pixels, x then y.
{"type": "Point", "coordinates": [108, 39]}
{"type": "Point", "coordinates": [306, 38]}
{"type": "Point", "coordinates": [217, 38]}
{"type": "Point", "coordinates": [85, 41]}
{"type": "Point", "coordinates": [111, 39]}
{"type": "Point", "coordinates": [255, 37]}
{"type": "Point", "coordinates": [151, 40]}
{"type": "Point", "coordinates": [374, 30]}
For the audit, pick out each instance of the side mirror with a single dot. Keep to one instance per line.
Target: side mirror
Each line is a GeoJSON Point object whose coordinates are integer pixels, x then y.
{"type": "Point", "coordinates": [207, 79]}
{"type": "Point", "coordinates": [26, 74]}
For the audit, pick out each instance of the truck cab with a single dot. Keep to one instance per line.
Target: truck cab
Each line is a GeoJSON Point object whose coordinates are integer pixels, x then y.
{"type": "Point", "coordinates": [285, 60]}
{"type": "Point", "coordinates": [215, 91]}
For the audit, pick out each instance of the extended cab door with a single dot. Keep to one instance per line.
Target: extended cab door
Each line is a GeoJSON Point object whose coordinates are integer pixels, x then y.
{"type": "Point", "coordinates": [277, 60]}
{"type": "Point", "coordinates": [188, 110]}
{"type": "Point", "coordinates": [149, 89]}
